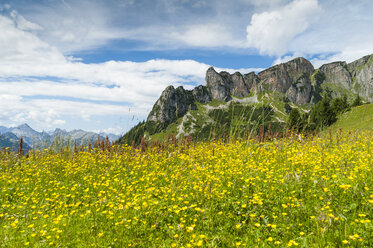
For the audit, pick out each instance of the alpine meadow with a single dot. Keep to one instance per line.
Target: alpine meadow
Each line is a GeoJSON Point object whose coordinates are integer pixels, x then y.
{"type": "Point", "coordinates": [186, 124]}
{"type": "Point", "coordinates": [296, 191]}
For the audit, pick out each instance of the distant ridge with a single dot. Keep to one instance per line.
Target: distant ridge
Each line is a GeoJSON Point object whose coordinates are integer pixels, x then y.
{"type": "Point", "coordinates": [9, 137]}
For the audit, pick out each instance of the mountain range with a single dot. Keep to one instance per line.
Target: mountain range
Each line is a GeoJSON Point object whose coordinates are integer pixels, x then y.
{"type": "Point", "coordinates": [9, 137]}
{"type": "Point", "coordinates": [274, 92]}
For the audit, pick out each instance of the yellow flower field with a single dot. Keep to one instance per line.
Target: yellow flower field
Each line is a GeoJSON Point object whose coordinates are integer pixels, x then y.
{"type": "Point", "coordinates": [283, 193]}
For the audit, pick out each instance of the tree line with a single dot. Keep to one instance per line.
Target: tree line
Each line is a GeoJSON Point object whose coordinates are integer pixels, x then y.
{"type": "Point", "coordinates": [321, 115]}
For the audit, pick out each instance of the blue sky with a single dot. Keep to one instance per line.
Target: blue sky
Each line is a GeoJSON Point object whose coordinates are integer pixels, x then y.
{"type": "Point", "coordinates": [101, 64]}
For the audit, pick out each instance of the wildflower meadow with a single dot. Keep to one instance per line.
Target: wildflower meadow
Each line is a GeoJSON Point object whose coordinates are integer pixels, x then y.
{"type": "Point", "coordinates": [295, 191]}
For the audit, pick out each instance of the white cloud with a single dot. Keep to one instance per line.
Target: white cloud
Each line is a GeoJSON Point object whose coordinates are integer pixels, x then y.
{"type": "Point", "coordinates": [271, 32]}
{"type": "Point", "coordinates": [324, 32]}
{"type": "Point", "coordinates": [81, 90]}
{"type": "Point", "coordinates": [207, 35]}
{"type": "Point", "coordinates": [114, 130]}
{"type": "Point", "coordinates": [59, 122]}
{"type": "Point", "coordinates": [89, 24]}
{"type": "Point", "coordinates": [287, 58]}
{"type": "Point", "coordinates": [24, 24]}
{"type": "Point", "coordinates": [73, 25]}
{"type": "Point", "coordinates": [21, 46]}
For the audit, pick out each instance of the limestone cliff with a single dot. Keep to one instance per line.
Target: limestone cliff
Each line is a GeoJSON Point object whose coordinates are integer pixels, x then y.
{"type": "Point", "coordinates": [353, 78]}
{"type": "Point", "coordinates": [172, 104]}
{"type": "Point", "coordinates": [294, 79]}
{"type": "Point", "coordinates": [362, 77]}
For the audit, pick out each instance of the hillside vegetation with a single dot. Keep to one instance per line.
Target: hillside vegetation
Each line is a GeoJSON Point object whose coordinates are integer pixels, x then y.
{"type": "Point", "coordinates": [305, 192]}
{"type": "Point", "coordinates": [358, 118]}
{"type": "Point", "coordinates": [291, 95]}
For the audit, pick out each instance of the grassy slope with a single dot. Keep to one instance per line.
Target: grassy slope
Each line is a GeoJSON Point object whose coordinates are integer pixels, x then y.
{"type": "Point", "coordinates": [358, 118]}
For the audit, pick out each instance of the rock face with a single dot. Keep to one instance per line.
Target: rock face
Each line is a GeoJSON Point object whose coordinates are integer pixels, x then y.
{"type": "Point", "coordinates": [40, 140]}
{"type": "Point", "coordinates": [253, 82]}
{"type": "Point", "coordinates": [362, 73]}
{"type": "Point", "coordinates": [201, 94]}
{"type": "Point", "coordinates": [300, 91]}
{"type": "Point", "coordinates": [10, 140]}
{"type": "Point", "coordinates": [222, 86]}
{"type": "Point", "coordinates": [281, 77]}
{"type": "Point", "coordinates": [337, 73]}
{"type": "Point", "coordinates": [355, 77]}
{"type": "Point", "coordinates": [172, 104]}
{"type": "Point", "coordinates": [292, 78]}
{"type": "Point", "coordinates": [218, 84]}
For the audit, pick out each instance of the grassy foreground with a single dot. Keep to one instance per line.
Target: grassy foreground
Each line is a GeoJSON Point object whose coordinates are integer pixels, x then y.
{"type": "Point", "coordinates": [310, 193]}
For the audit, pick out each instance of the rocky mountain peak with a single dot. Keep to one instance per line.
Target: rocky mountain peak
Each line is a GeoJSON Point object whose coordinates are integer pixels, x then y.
{"type": "Point", "coordinates": [217, 84]}
{"type": "Point", "coordinates": [24, 126]}
{"type": "Point", "coordinates": [355, 77]}
{"type": "Point", "coordinates": [222, 86]}
{"type": "Point", "coordinates": [359, 63]}
{"type": "Point", "coordinates": [281, 77]}
{"type": "Point", "coordinates": [292, 79]}
{"type": "Point", "coordinates": [172, 104]}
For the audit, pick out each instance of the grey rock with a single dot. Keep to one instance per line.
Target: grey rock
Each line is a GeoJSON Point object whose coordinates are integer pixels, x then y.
{"type": "Point", "coordinates": [201, 94]}
{"type": "Point", "coordinates": [172, 104]}
{"type": "Point", "coordinates": [40, 140]}
{"type": "Point", "coordinates": [300, 91]}
{"type": "Point", "coordinates": [238, 87]}
{"type": "Point", "coordinates": [30, 136]}
{"type": "Point", "coordinates": [4, 129]}
{"type": "Point", "coordinates": [337, 73]}
{"type": "Point", "coordinates": [292, 78]}
{"type": "Point", "coordinates": [223, 86]}
{"type": "Point", "coordinates": [217, 84]}
{"type": "Point", "coordinates": [281, 77]}
{"type": "Point", "coordinates": [11, 141]}
{"type": "Point", "coordinates": [362, 72]}
{"type": "Point", "coordinates": [357, 64]}
{"type": "Point", "coordinates": [355, 77]}
{"type": "Point", "coordinates": [252, 82]}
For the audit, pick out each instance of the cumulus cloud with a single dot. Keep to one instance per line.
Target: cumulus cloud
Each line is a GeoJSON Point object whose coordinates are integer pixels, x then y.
{"type": "Point", "coordinates": [160, 25]}
{"type": "Point", "coordinates": [59, 122]}
{"type": "Point", "coordinates": [323, 31]}
{"type": "Point", "coordinates": [24, 24]}
{"type": "Point", "coordinates": [271, 32]}
{"type": "Point", "coordinates": [207, 35]}
{"type": "Point", "coordinates": [17, 45]}
{"type": "Point", "coordinates": [39, 84]}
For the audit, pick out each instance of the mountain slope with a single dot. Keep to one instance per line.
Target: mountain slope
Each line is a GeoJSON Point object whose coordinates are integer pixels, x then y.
{"type": "Point", "coordinates": [11, 141]}
{"type": "Point", "coordinates": [34, 139]}
{"type": "Point", "coordinates": [358, 118]}
{"type": "Point", "coordinates": [3, 129]}
{"type": "Point", "coordinates": [275, 91]}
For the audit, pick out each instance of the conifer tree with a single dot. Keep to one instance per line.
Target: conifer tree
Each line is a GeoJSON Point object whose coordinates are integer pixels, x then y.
{"type": "Point", "coordinates": [357, 102]}
{"type": "Point", "coordinates": [295, 120]}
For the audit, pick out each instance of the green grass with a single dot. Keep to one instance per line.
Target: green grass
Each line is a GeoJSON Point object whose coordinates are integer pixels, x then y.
{"type": "Point", "coordinates": [309, 192]}
{"type": "Point", "coordinates": [358, 118]}
{"type": "Point", "coordinates": [216, 103]}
